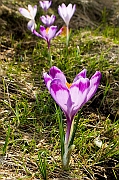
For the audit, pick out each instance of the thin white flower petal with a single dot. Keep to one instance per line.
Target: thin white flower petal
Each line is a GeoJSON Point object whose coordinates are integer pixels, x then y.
{"type": "Point", "coordinates": [25, 13]}
{"type": "Point", "coordinates": [34, 11]}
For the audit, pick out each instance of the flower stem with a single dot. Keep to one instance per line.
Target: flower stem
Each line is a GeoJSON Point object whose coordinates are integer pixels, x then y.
{"type": "Point", "coordinates": [67, 40]}
{"type": "Point", "coordinates": [67, 156]}
{"type": "Point", "coordinates": [74, 130]}
{"type": "Point", "coordinates": [49, 57]}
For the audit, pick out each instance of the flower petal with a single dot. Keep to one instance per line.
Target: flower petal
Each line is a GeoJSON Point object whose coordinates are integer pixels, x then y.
{"type": "Point", "coordinates": [52, 19]}
{"type": "Point", "coordinates": [81, 74]}
{"type": "Point", "coordinates": [43, 19]}
{"type": "Point", "coordinates": [62, 11]}
{"type": "Point", "coordinates": [47, 80]}
{"type": "Point", "coordinates": [34, 11]}
{"type": "Point", "coordinates": [61, 95]}
{"type": "Point", "coordinates": [43, 32]}
{"type": "Point", "coordinates": [51, 32]}
{"type": "Point", "coordinates": [25, 13]}
{"type": "Point", "coordinates": [61, 31]}
{"type": "Point", "coordinates": [74, 9]}
{"type": "Point", "coordinates": [30, 9]}
{"type": "Point", "coordinates": [71, 10]}
{"type": "Point", "coordinates": [31, 25]}
{"type": "Point", "coordinates": [57, 73]}
{"type": "Point", "coordinates": [37, 34]}
{"type": "Point", "coordinates": [78, 93]}
{"type": "Point", "coordinates": [94, 83]}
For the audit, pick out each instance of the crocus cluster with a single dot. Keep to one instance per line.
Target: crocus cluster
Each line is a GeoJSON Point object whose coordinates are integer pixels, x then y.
{"type": "Point", "coordinates": [70, 97]}
{"type": "Point", "coordinates": [48, 31]}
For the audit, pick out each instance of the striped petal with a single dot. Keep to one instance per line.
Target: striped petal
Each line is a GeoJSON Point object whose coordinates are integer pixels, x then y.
{"type": "Point", "coordinates": [61, 95]}
{"type": "Point", "coordinates": [43, 31]}
{"type": "Point", "coordinates": [57, 73]}
{"type": "Point", "coordinates": [94, 83]}
{"type": "Point", "coordinates": [78, 93]}
{"type": "Point", "coordinates": [51, 32]}
{"type": "Point", "coordinates": [81, 74]}
{"type": "Point", "coordinates": [47, 80]}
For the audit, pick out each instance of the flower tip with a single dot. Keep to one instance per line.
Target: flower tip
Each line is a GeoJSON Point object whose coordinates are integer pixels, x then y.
{"type": "Point", "coordinates": [74, 6]}
{"type": "Point", "coordinates": [98, 74]}
{"type": "Point", "coordinates": [42, 29]}
{"type": "Point", "coordinates": [20, 9]}
{"type": "Point", "coordinates": [54, 27]}
{"type": "Point", "coordinates": [35, 6]}
{"type": "Point", "coordinates": [63, 5]}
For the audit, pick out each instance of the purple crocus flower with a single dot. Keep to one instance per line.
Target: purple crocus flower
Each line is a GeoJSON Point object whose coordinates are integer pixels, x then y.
{"type": "Point", "coordinates": [47, 33]}
{"type": "Point", "coordinates": [29, 13]}
{"type": "Point", "coordinates": [66, 12]}
{"type": "Point", "coordinates": [45, 4]}
{"type": "Point", "coordinates": [71, 97]}
{"type": "Point", "coordinates": [48, 20]}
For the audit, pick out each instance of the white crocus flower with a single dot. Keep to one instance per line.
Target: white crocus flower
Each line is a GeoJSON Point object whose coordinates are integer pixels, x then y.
{"type": "Point", "coordinates": [66, 12]}
{"type": "Point", "coordinates": [29, 13]}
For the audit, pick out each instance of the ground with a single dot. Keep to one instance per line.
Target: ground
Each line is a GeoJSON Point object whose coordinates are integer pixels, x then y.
{"type": "Point", "coordinates": [28, 122]}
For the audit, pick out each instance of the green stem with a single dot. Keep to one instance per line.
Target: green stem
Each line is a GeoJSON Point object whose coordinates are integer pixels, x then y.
{"type": "Point", "coordinates": [75, 129]}
{"type": "Point", "coordinates": [49, 57]}
{"type": "Point", "coordinates": [67, 40]}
